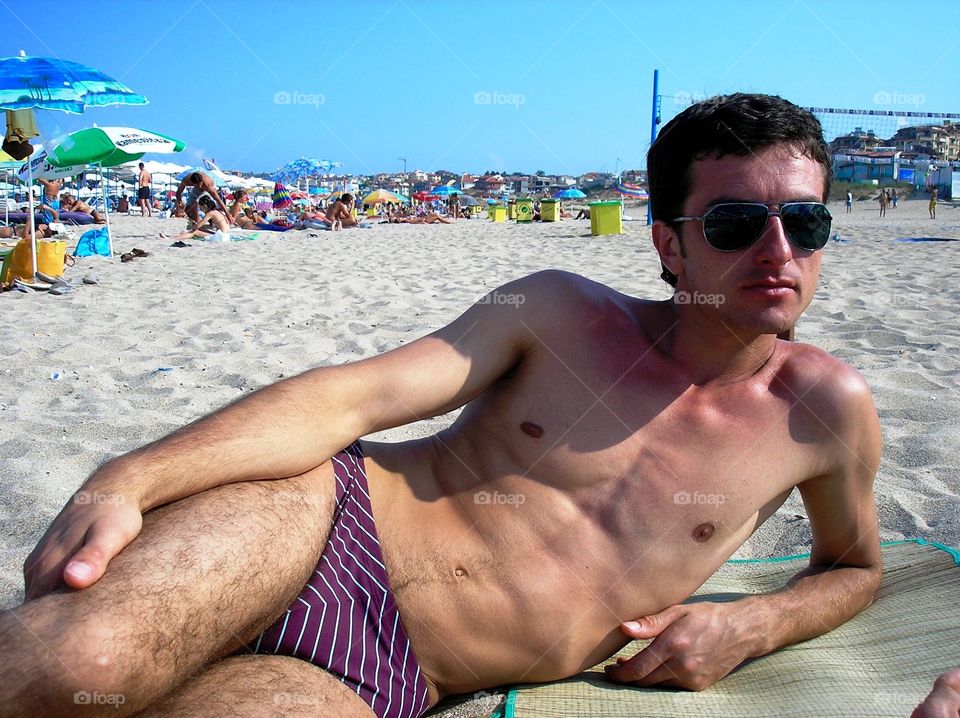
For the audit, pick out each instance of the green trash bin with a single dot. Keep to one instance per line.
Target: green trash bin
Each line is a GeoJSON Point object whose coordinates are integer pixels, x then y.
{"type": "Point", "coordinates": [549, 210]}
{"type": "Point", "coordinates": [606, 218]}
{"type": "Point", "coordinates": [524, 209]}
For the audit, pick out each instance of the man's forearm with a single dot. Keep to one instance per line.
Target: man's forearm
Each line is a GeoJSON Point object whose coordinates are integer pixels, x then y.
{"type": "Point", "coordinates": [815, 601]}
{"type": "Point", "coordinates": [279, 431]}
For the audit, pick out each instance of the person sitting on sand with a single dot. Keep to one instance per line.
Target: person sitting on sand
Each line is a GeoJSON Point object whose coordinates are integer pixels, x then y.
{"type": "Point", "coordinates": [198, 184]}
{"type": "Point", "coordinates": [943, 700]}
{"type": "Point", "coordinates": [611, 454]}
{"type": "Point", "coordinates": [69, 203]}
{"type": "Point", "coordinates": [123, 205]}
{"type": "Point", "coordinates": [214, 224]}
{"type": "Point", "coordinates": [340, 213]}
{"type": "Point", "coordinates": [583, 214]}
{"type": "Point", "coordinates": [237, 214]}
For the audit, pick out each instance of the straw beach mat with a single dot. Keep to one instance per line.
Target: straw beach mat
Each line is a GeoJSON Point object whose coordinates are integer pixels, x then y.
{"type": "Point", "coordinates": [880, 663]}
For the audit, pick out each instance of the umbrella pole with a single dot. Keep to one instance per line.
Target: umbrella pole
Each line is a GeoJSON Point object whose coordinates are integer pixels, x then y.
{"type": "Point", "coordinates": [106, 214]}
{"type": "Point", "coordinates": [33, 235]}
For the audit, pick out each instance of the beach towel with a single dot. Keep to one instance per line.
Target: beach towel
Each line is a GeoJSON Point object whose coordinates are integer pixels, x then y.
{"type": "Point", "coordinates": [273, 227]}
{"type": "Point", "coordinates": [880, 663]}
{"type": "Point", "coordinates": [93, 241]}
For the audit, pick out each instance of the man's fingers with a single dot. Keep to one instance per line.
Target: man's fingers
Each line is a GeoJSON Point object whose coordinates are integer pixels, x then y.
{"type": "Point", "coordinates": [636, 669]}
{"type": "Point", "coordinates": [88, 564]}
{"type": "Point", "coordinates": [653, 625]}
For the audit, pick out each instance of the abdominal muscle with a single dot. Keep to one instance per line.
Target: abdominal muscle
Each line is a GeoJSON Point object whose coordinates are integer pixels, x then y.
{"type": "Point", "coordinates": [494, 591]}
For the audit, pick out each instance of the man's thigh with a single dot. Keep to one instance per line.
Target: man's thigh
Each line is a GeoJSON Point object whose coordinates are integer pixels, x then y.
{"type": "Point", "coordinates": [256, 686]}
{"type": "Point", "coordinates": [206, 575]}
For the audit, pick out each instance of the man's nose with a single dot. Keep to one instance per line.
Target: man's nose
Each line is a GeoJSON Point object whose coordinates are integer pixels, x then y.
{"type": "Point", "coordinates": [774, 248]}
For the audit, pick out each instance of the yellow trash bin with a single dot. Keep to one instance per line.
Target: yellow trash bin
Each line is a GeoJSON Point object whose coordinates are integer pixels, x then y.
{"type": "Point", "coordinates": [606, 218]}
{"type": "Point", "coordinates": [524, 209]}
{"type": "Point", "coordinates": [497, 214]}
{"type": "Point", "coordinates": [372, 211]}
{"type": "Point", "coordinates": [549, 210]}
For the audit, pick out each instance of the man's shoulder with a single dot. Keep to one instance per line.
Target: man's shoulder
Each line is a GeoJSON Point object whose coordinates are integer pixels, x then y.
{"type": "Point", "coordinates": [554, 292]}
{"type": "Point", "coordinates": [828, 387]}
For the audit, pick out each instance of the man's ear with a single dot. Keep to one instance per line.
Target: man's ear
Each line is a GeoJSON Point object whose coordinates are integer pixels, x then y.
{"type": "Point", "coordinates": [669, 246]}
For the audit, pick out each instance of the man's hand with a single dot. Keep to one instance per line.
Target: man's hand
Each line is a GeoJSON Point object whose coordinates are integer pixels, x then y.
{"type": "Point", "coordinates": [90, 530]}
{"type": "Point", "coordinates": [694, 646]}
{"type": "Point", "coordinates": [944, 699]}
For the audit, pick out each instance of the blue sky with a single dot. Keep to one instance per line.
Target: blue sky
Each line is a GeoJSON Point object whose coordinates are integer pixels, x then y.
{"type": "Point", "coordinates": [560, 86]}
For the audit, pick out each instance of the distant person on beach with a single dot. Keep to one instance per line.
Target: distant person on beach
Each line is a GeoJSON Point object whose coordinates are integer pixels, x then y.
{"type": "Point", "coordinates": [69, 203]}
{"type": "Point", "coordinates": [50, 202]}
{"type": "Point", "coordinates": [214, 225]}
{"type": "Point", "coordinates": [943, 700]}
{"type": "Point", "coordinates": [932, 207]}
{"type": "Point", "coordinates": [849, 201]}
{"type": "Point", "coordinates": [612, 453]}
{"type": "Point", "coordinates": [453, 205]}
{"type": "Point", "coordinates": [196, 185]}
{"type": "Point", "coordinates": [894, 197]}
{"type": "Point", "coordinates": [882, 199]}
{"type": "Point", "coordinates": [143, 191]}
{"type": "Point", "coordinates": [340, 213]}
{"type": "Point", "coordinates": [123, 205]}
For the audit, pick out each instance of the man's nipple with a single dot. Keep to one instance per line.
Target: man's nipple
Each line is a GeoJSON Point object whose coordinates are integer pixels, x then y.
{"type": "Point", "coordinates": [531, 429]}
{"type": "Point", "coordinates": [704, 532]}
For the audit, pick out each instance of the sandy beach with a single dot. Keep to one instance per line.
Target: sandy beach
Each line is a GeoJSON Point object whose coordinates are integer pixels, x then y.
{"type": "Point", "coordinates": [167, 338]}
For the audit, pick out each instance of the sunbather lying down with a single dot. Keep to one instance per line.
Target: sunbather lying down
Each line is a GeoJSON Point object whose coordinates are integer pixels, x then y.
{"type": "Point", "coordinates": [23, 230]}
{"type": "Point", "coordinates": [431, 218]}
{"type": "Point", "coordinates": [611, 454]}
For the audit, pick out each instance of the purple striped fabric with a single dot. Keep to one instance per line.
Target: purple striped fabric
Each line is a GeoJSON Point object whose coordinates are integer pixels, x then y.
{"type": "Point", "coordinates": [346, 620]}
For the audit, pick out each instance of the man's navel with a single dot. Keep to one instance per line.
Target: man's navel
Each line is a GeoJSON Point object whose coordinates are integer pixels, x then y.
{"type": "Point", "coordinates": [531, 429]}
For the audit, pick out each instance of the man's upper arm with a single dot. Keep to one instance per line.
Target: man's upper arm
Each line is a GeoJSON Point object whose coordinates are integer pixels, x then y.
{"type": "Point", "coordinates": [450, 367]}
{"type": "Point", "coordinates": [841, 504]}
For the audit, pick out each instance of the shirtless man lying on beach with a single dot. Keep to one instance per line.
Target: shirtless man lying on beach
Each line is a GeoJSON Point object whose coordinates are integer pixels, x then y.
{"type": "Point", "coordinates": [69, 203]}
{"type": "Point", "coordinates": [612, 453]}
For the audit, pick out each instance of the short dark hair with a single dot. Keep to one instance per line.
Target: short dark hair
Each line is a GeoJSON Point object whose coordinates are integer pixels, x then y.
{"type": "Point", "coordinates": [141, 165]}
{"type": "Point", "coordinates": [346, 197]}
{"type": "Point", "coordinates": [738, 125]}
{"type": "Point", "coordinates": [195, 178]}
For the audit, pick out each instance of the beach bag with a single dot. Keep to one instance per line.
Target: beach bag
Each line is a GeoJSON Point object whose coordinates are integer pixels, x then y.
{"type": "Point", "coordinates": [51, 256]}
{"type": "Point", "coordinates": [93, 241]}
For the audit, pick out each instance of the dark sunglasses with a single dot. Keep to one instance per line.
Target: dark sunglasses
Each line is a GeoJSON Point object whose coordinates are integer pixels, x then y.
{"type": "Point", "coordinates": [732, 226]}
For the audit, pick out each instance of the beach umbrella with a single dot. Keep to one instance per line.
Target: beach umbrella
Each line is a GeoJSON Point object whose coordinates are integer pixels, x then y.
{"type": "Point", "coordinates": [319, 191]}
{"type": "Point", "coordinates": [468, 201]}
{"type": "Point", "coordinates": [281, 198]}
{"type": "Point", "coordinates": [301, 167]}
{"type": "Point", "coordinates": [110, 147]}
{"type": "Point", "coordinates": [444, 191]}
{"type": "Point", "coordinates": [382, 195]}
{"type": "Point", "coordinates": [570, 193]}
{"type": "Point", "coordinates": [53, 84]}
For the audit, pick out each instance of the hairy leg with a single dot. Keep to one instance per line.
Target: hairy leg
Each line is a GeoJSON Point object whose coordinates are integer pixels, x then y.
{"type": "Point", "coordinates": [206, 575]}
{"type": "Point", "coordinates": [255, 686]}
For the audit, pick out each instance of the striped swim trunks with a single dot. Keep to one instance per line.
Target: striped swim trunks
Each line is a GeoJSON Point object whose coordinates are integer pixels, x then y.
{"type": "Point", "coordinates": [346, 620]}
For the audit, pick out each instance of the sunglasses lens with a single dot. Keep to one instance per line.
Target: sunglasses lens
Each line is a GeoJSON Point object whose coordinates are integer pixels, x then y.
{"type": "Point", "coordinates": [729, 227]}
{"type": "Point", "coordinates": [806, 224]}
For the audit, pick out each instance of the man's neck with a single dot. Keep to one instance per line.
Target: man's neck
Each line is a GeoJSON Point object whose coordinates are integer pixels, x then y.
{"type": "Point", "coordinates": [710, 351]}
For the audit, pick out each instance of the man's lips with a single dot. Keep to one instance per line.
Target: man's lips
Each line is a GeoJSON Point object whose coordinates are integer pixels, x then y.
{"type": "Point", "coordinates": [771, 284]}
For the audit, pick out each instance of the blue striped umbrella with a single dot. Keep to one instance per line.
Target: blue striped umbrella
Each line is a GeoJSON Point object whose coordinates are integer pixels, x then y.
{"type": "Point", "coordinates": [52, 84]}
{"type": "Point", "coordinates": [571, 193]}
{"type": "Point", "coordinates": [303, 167]}
{"type": "Point", "coordinates": [49, 83]}
{"type": "Point", "coordinates": [445, 191]}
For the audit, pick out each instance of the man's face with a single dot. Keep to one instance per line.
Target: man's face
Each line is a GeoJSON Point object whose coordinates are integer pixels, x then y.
{"type": "Point", "coordinates": [765, 287]}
